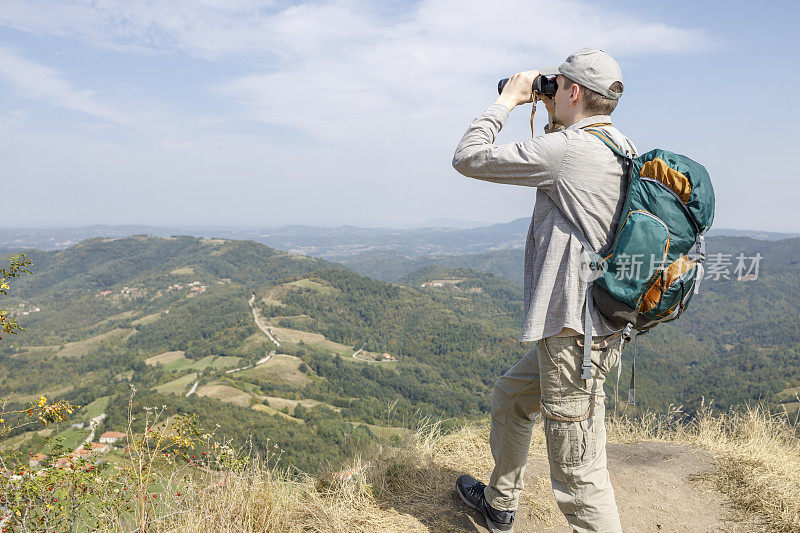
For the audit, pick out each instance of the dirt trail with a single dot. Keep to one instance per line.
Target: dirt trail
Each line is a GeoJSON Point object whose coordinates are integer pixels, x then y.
{"type": "Point", "coordinates": [656, 490]}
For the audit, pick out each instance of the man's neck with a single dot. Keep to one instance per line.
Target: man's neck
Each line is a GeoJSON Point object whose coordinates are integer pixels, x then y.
{"type": "Point", "coordinates": [591, 120]}
{"type": "Point", "coordinates": [577, 118]}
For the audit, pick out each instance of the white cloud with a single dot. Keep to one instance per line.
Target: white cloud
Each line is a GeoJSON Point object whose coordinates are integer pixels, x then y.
{"type": "Point", "coordinates": [340, 68]}
{"type": "Point", "coordinates": [43, 83]}
{"type": "Point", "coordinates": [390, 75]}
{"type": "Point", "coordinates": [245, 29]}
{"type": "Point", "coordinates": [387, 89]}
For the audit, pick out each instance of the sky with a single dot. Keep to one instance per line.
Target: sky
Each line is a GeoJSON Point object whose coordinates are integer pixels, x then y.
{"type": "Point", "coordinates": [262, 113]}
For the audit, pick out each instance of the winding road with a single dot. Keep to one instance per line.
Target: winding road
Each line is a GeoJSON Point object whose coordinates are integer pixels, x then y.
{"type": "Point", "coordinates": [259, 324]}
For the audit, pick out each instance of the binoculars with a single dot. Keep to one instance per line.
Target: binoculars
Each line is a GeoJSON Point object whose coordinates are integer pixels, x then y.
{"type": "Point", "coordinates": [545, 85]}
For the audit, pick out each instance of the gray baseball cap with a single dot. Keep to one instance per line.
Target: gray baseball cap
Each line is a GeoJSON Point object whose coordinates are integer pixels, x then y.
{"type": "Point", "coordinates": [592, 68]}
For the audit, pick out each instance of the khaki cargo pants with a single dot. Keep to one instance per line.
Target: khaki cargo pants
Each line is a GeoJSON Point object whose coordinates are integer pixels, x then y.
{"type": "Point", "coordinates": [548, 379]}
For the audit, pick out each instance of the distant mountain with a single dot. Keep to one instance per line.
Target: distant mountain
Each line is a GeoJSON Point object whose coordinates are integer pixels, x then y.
{"type": "Point", "coordinates": [346, 244]}
{"type": "Point", "coordinates": [392, 266]}
{"type": "Point", "coordinates": [336, 243]}
{"type": "Point", "coordinates": [753, 234]}
{"type": "Point", "coordinates": [451, 223]}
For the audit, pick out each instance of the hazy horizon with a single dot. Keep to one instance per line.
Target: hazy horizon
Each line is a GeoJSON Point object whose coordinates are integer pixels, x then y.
{"type": "Point", "coordinates": [430, 223]}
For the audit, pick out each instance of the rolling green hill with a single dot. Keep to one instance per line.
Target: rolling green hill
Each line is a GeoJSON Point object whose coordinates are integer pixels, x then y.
{"type": "Point", "coordinates": [738, 341]}
{"type": "Point", "coordinates": [310, 355]}
{"type": "Point", "coordinates": [168, 315]}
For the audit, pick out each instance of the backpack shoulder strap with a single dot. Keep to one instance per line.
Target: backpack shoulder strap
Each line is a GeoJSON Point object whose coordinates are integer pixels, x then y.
{"type": "Point", "coordinates": [608, 142]}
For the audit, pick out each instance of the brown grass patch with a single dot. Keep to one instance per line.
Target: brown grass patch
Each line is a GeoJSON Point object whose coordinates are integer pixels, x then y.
{"type": "Point", "coordinates": [148, 319]}
{"type": "Point", "coordinates": [224, 393]}
{"type": "Point", "coordinates": [79, 348]}
{"type": "Point", "coordinates": [270, 411]}
{"type": "Point", "coordinates": [178, 386]}
{"type": "Point", "coordinates": [295, 336]}
{"type": "Point", "coordinates": [280, 403]}
{"type": "Point", "coordinates": [164, 358]}
{"type": "Point", "coordinates": [283, 368]}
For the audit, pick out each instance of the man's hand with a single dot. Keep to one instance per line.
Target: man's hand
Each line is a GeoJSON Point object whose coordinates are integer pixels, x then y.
{"type": "Point", "coordinates": [518, 90]}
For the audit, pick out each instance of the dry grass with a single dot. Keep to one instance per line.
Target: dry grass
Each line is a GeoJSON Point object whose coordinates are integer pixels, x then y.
{"type": "Point", "coordinates": [409, 486]}
{"type": "Point", "coordinates": [757, 452]}
{"type": "Point", "coordinates": [164, 358]}
{"type": "Point", "coordinates": [279, 403]}
{"type": "Point", "coordinates": [317, 340]}
{"type": "Point", "coordinates": [78, 348]}
{"type": "Point", "coordinates": [225, 393]}
{"type": "Point", "coordinates": [283, 368]}
{"type": "Point", "coordinates": [389, 489]}
{"type": "Point", "coordinates": [148, 319]}
{"type": "Point", "coordinates": [177, 386]}
{"type": "Point", "coordinates": [270, 411]}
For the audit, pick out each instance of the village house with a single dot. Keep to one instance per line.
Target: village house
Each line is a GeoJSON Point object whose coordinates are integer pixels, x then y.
{"type": "Point", "coordinates": [110, 437]}
{"type": "Point", "coordinates": [132, 292]}
{"type": "Point", "coordinates": [36, 460]}
{"type": "Point", "coordinates": [99, 447]}
{"type": "Point", "coordinates": [81, 453]}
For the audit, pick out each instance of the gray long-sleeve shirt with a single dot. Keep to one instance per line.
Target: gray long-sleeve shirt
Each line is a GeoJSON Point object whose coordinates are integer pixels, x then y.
{"type": "Point", "coordinates": [580, 192]}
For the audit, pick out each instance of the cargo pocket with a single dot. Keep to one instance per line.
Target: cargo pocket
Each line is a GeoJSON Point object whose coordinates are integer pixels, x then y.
{"type": "Point", "coordinates": [569, 431]}
{"type": "Point", "coordinates": [605, 357]}
{"type": "Point", "coordinates": [609, 358]}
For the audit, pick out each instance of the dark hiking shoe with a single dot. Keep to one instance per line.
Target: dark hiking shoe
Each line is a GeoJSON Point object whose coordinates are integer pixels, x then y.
{"type": "Point", "coordinates": [471, 492]}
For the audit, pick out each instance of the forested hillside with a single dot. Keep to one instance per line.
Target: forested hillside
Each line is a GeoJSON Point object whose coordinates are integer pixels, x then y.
{"type": "Point", "coordinates": [321, 360]}
{"type": "Point", "coordinates": [266, 344]}
{"type": "Point", "coordinates": [738, 341]}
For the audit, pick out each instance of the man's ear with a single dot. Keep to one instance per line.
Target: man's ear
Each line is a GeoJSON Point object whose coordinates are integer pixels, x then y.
{"type": "Point", "coordinates": [574, 93]}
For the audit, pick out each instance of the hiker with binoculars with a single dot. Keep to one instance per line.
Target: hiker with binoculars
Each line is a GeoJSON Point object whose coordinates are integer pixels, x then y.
{"type": "Point", "coordinates": [580, 190]}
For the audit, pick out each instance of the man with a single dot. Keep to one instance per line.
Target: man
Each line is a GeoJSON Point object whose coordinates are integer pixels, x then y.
{"type": "Point", "coordinates": [580, 191]}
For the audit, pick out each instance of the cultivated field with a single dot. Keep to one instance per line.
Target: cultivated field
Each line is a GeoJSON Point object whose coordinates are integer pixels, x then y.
{"type": "Point", "coordinates": [225, 393]}
{"type": "Point", "coordinates": [178, 386]}
{"type": "Point", "coordinates": [78, 348]}
{"type": "Point", "coordinates": [165, 358]}
{"type": "Point", "coordinates": [317, 340]}
{"type": "Point", "coordinates": [283, 367]}
{"type": "Point", "coordinates": [280, 403]}
{"type": "Point", "coordinates": [177, 361]}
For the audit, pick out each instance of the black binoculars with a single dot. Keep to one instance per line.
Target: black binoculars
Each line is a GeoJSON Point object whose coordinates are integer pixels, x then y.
{"type": "Point", "coordinates": [545, 85]}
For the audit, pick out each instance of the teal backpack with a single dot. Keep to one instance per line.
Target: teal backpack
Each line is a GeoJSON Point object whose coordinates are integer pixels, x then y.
{"type": "Point", "coordinates": [654, 265]}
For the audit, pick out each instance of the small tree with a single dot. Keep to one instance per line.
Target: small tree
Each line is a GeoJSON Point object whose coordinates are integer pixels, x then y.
{"type": "Point", "coordinates": [17, 266]}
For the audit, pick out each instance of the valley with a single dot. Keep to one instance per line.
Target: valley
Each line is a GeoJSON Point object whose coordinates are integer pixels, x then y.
{"type": "Point", "coordinates": [281, 348]}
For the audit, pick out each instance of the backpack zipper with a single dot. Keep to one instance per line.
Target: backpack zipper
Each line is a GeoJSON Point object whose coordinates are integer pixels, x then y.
{"type": "Point", "coordinates": [658, 273]}
{"type": "Point", "coordinates": [673, 193]}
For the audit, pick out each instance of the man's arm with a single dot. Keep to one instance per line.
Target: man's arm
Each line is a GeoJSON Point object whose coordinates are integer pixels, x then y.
{"type": "Point", "coordinates": [531, 163]}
